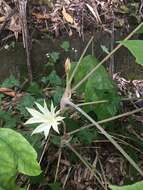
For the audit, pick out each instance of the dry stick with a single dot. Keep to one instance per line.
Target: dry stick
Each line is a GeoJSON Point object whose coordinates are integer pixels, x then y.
{"type": "Point", "coordinates": [66, 178]}
{"type": "Point", "coordinates": [78, 63]}
{"type": "Point", "coordinates": [41, 157]}
{"type": "Point", "coordinates": [58, 164]}
{"type": "Point", "coordinates": [103, 173]}
{"type": "Point", "coordinates": [107, 120]}
{"type": "Point", "coordinates": [85, 163]}
{"type": "Point", "coordinates": [108, 136]}
{"type": "Point", "coordinates": [25, 35]}
{"type": "Point", "coordinates": [106, 58]}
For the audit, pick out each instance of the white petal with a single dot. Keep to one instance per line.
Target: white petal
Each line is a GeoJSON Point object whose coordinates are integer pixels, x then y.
{"type": "Point", "coordinates": [46, 133]}
{"type": "Point", "coordinates": [33, 120]}
{"type": "Point", "coordinates": [42, 128]}
{"type": "Point", "coordinates": [34, 112]}
{"type": "Point", "coordinates": [59, 118]}
{"type": "Point", "coordinates": [40, 107]}
{"type": "Point", "coordinates": [57, 112]}
{"type": "Point", "coordinates": [46, 108]}
{"type": "Point", "coordinates": [52, 109]}
{"type": "Point", "coordinates": [55, 127]}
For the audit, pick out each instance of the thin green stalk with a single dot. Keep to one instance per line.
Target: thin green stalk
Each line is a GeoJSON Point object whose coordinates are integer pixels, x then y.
{"type": "Point", "coordinates": [106, 58]}
{"type": "Point", "coordinates": [41, 157]}
{"type": "Point", "coordinates": [89, 103]}
{"type": "Point", "coordinates": [120, 115]}
{"type": "Point", "coordinates": [78, 63]}
{"type": "Point", "coordinates": [108, 136]}
{"type": "Point", "coordinates": [85, 163]}
{"type": "Point", "coordinates": [107, 120]}
{"type": "Point", "coordinates": [105, 101]}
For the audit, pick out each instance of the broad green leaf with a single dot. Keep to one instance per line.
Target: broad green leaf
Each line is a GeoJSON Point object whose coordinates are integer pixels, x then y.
{"type": "Point", "coordinates": [65, 45]}
{"type": "Point", "coordinates": [54, 79]}
{"type": "Point", "coordinates": [135, 186]}
{"type": "Point", "coordinates": [17, 156]}
{"type": "Point", "coordinates": [2, 188]}
{"type": "Point", "coordinates": [86, 136]}
{"type": "Point", "coordinates": [55, 186]}
{"type": "Point", "coordinates": [10, 82]}
{"type": "Point", "coordinates": [34, 89]}
{"type": "Point", "coordinates": [54, 56]}
{"type": "Point", "coordinates": [8, 120]}
{"type": "Point", "coordinates": [98, 87]}
{"type": "Point", "coordinates": [140, 31]}
{"type": "Point", "coordinates": [26, 101]}
{"type": "Point", "coordinates": [136, 48]}
{"type": "Point", "coordinates": [58, 95]}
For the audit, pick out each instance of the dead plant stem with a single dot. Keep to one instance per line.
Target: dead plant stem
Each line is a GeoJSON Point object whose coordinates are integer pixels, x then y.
{"type": "Point", "coordinates": [85, 163]}
{"type": "Point", "coordinates": [106, 58]}
{"type": "Point", "coordinates": [108, 136]}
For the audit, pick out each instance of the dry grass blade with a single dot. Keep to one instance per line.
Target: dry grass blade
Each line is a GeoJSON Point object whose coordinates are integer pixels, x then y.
{"type": "Point", "coordinates": [108, 136]}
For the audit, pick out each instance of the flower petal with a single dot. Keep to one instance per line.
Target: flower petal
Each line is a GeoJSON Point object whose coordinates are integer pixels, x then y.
{"type": "Point", "coordinates": [59, 118]}
{"type": "Point", "coordinates": [42, 128]}
{"type": "Point", "coordinates": [46, 108]}
{"type": "Point", "coordinates": [33, 120]}
{"type": "Point", "coordinates": [55, 127]}
{"type": "Point", "coordinates": [46, 133]}
{"type": "Point", "coordinates": [34, 112]}
{"type": "Point", "coordinates": [52, 109]}
{"type": "Point", "coordinates": [40, 107]}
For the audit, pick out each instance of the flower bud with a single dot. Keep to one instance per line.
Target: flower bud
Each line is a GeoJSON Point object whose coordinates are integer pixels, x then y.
{"type": "Point", "coordinates": [67, 65]}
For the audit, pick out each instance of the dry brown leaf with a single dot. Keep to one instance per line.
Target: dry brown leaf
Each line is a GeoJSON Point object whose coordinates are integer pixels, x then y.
{"type": "Point", "coordinates": [94, 12]}
{"type": "Point", "coordinates": [8, 91]}
{"type": "Point", "coordinates": [67, 16]}
{"type": "Point", "coordinates": [40, 16]}
{"type": "Point", "coordinates": [2, 18]}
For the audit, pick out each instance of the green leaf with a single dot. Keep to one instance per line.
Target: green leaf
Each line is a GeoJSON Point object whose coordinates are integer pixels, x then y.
{"type": "Point", "coordinates": [10, 82]}
{"type": "Point", "coordinates": [57, 95]}
{"type": "Point", "coordinates": [136, 48]}
{"type": "Point", "coordinates": [34, 89]}
{"type": "Point", "coordinates": [140, 31]}
{"type": "Point", "coordinates": [65, 45]}
{"type": "Point", "coordinates": [54, 79]}
{"type": "Point", "coordinates": [26, 101]}
{"type": "Point", "coordinates": [98, 87]}
{"type": "Point", "coordinates": [9, 121]}
{"type": "Point", "coordinates": [54, 56]}
{"type": "Point", "coordinates": [135, 186]}
{"type": "Point", "coordinates": [17, 156]}
{"type": "Point", "coordinates": [56, 140]}
{"type": "Point", "coordinates": [55, 186]}
{"type": "Point", "coordinates": [86, 136]}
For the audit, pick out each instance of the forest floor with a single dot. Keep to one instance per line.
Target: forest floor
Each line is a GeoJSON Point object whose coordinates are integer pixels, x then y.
{"type": "Point", "coordinates": [56, 18]}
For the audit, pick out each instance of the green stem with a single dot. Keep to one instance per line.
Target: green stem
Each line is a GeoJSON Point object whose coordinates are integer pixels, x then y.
{"type": "Point", "coordinates": [89, 103]}
{"type": "Point", "coordinates": [120, 115]}
{"type": "Point", "coordinates": [107, 120]}
{"type": "Point", "coordinates": [106, 58]}
{"type": "Point", "coordinates": [78, 63]}
{"type": "Point", "coordinates": [105, 101]}
{"type": "Point", "coordinates": [131, 161]}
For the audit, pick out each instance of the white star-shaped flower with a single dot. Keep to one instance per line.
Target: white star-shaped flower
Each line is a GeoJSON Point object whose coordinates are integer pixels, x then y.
{"type": "Point", "coordinates": [47, 118]}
